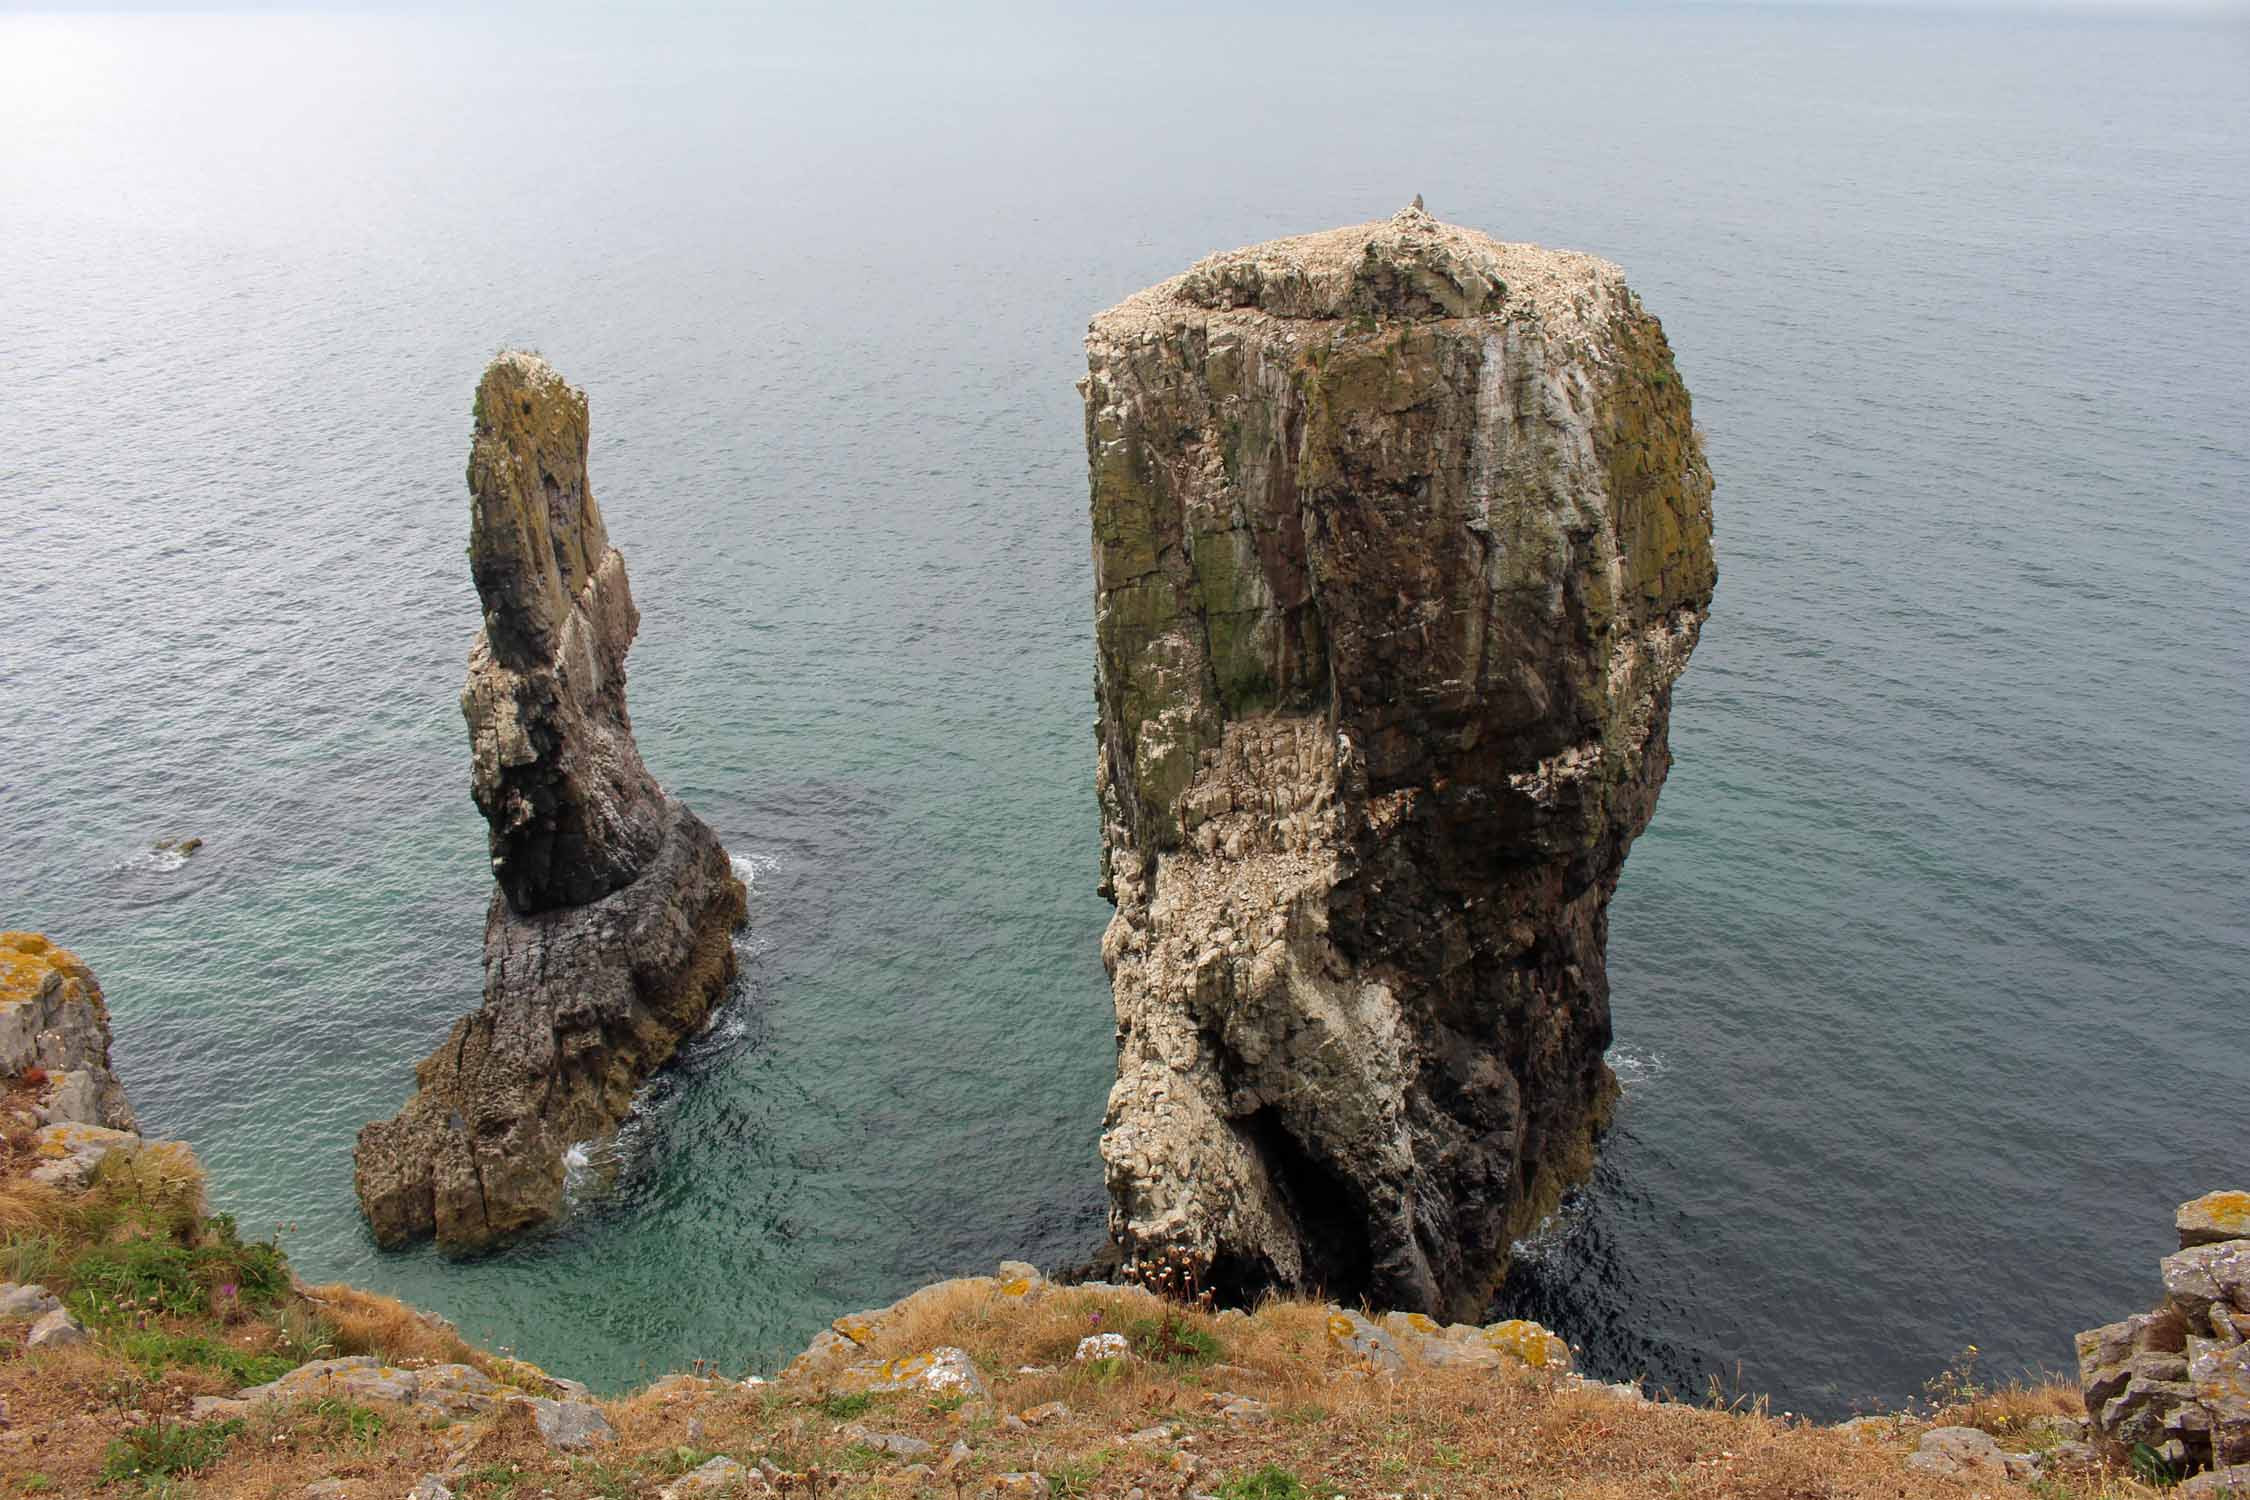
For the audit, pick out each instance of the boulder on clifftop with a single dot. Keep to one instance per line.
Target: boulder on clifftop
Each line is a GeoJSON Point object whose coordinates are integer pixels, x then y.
{"type": "Point", "coordinates": [610, 932]}
{"type": "Point", "coordinates": [1401, 535]}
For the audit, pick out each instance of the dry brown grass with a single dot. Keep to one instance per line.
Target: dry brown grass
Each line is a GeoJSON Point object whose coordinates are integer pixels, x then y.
{"type": "Point", "coordinates": [1427, 1433]}
{"type": "Point", "coordinates": [371, 1323]}
{"type": "Point", "coordinates": [28, 1207]}
{"type": "Point", "coordinates": [1432, 1432]}
{"type": "Point", "coordinates": [2015, 1409]}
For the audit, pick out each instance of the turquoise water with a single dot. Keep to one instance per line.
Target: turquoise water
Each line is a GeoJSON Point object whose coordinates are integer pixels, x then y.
{"type": "Point", "coordinates": [1929, 976]}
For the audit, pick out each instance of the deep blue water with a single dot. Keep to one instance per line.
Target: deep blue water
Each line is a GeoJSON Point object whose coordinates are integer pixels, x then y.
{"type": "Point", "coordinates": [1930, 975]}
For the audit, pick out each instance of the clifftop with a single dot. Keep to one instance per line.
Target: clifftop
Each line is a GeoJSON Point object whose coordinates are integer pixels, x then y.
{"type": "Point", "coordinates": [1408, 267]}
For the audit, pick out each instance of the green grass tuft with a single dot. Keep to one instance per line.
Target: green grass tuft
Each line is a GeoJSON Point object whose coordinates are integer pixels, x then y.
{"type": "Point", "coordinates": [1271, 1482]}
{"type": "Point", "coordinates": [163, 1449]}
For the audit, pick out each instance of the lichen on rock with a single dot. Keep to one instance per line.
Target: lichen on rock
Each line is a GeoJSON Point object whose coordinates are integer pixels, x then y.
{"type": "Point", "coordinates": [609, 935]}
{"type": "Point", "coordinates": [1401, 536]}
{"type": "Point", "coordinates": [2176, 1380]}
{"type": "Point", "coordinates": [54, 1027]}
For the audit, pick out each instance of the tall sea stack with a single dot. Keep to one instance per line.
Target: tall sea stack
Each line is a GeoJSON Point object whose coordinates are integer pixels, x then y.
{"type": "Point", "coordinates": [610, 932]}
{"type": "Point", "coordinates": [1401, 535]}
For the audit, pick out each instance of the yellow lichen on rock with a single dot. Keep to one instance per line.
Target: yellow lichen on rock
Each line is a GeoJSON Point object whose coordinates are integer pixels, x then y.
{"type": "Point", "coordinates": [1529, 1342]}
{"type": "Point", "coordinates": [2214, 1217]}
{"type": "Point", "coordinates": [26, 961]}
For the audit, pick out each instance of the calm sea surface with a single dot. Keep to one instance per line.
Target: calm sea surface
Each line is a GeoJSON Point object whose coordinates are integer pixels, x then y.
{"type": "Point", "coordinates": [1930, 976]}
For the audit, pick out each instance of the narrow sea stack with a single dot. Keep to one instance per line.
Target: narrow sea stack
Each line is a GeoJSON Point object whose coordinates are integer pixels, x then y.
{"type": "Point", "coordinates": [1401, 536]}
{"type": "Point", "coordinates": [610, 932]}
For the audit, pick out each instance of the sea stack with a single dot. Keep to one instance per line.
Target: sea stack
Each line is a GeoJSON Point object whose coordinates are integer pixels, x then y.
{"type": "Point", "coordinates": [1401, 536]}
{"type": "Point", "coordinates": [610, 932]}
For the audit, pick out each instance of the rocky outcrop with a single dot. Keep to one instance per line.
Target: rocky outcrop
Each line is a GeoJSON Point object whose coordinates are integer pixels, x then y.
{"type": "Point", "coordinates": [54, 1036]}
{"type": "Point", "coordinates": [1358, 1343]}
{"type": "Point", "coordinates": [54, 1060]}
{"type": "Point", "coordinates": [2176, 1381]}
{"type": "Point", "coordinates": [1401, 536]}
{"type": "Point", "coordinates": [609, 936]}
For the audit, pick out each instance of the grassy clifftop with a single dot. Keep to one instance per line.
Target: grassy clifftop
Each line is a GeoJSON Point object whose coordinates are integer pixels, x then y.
{"type": "Point", "coordinates": [970, 1388]}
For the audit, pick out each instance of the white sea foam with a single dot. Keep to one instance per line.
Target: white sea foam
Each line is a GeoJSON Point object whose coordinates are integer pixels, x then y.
{"type": "Point", "coordinates": [591, 1167]}
{"type": "Point", "coordinates": [1544, 1244]}
{"type": "Point", "coordinates": [1635, 1068]}
{"type": "Point", "coordinates": [748, 867]}
{"type": "Point", "coordinates": [157, 859]}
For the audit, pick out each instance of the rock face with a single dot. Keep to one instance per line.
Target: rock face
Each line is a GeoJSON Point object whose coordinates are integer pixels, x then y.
{"type": "Point", "coordinates": [1401, 536]}
{"type": "Point", "coordinates": [54, 1028]}
{"type": "Point", "coordinates": [609, 936]}
{"type": "Point", "coordinates": [54, 1045]}
{"type": "Point", "coordinates": [2177, 1380]}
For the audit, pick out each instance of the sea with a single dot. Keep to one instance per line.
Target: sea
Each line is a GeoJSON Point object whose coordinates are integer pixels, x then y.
{"type": "Point", "coordinates": [1931, 977]}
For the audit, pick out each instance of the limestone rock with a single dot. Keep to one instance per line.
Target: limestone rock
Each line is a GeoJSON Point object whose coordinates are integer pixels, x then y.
{"type": "Point", "coordinates": [609, 934]}
{"type": "Point", "coordinates": [720, 1476]}
{"type": "Point", "coordinates": [21, 1303]}
{"type": "Point", "coordinates": [2230, 1483]}
{"type": "Point", "coordinates": [1529, 1344]}
{"type": "Point", "coordinates": [945, 1370]}
{"type": "Point", "coordinates": [2178, 1379]}
{"type": "Point", "coordinates": [430, 1487]}
{"type": "Point", "coordinates": [1354, 1335]}
{"type": "Point", "coordinates": [455, 1390]}
{"type": "Point", "coordinates": [1245, 1411]}
{"type": "Point", "coordinates": [2197, 1277]}
{"type": "Point", "coordinates": [2212, 1218]}
{"type": "Point", "coordinates": [1401, 536]}
{"type": "Point", "coordinates": [570, 1426]}
{"type": "Point", "coordinates": [53, 1019]}
{"type": "Point", "coordinates": [840, 1343]}
{"type": "Point", "coordinates": [69, 1152]}
{"type": "Point", "coordinates": [898, 1443]}
{"type": "Point", "coordinates": [1958, 1453]}
{"type": "Point", "coordinates": [55, 1330]}
{"type": "Point", "coordinates": [353, 1377]}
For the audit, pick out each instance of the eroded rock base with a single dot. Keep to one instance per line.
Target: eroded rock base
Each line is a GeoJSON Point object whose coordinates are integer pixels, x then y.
{"type": "Point", "coordinates": [581, 1004]}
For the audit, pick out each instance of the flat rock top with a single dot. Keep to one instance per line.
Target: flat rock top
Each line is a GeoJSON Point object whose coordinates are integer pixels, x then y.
{"type": "Point", "coordinates": [28, 959]}
{"type": "Point", "coordinates": [1409, 266]}
{"type": "Point", "coordinates": [2214, 1219]}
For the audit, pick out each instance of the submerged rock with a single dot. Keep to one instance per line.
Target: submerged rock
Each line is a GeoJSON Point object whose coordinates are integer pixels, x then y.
{"type": "Point", "coordinates": [1401, 536]}
{"type": "Point", "coordinates": [609, 935]}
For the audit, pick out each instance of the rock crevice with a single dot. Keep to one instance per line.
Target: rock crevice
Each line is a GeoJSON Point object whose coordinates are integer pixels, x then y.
{"type": "Point", "coordinates": [610, 932]}
{"type": "Point", "coordinates": [1401, 536]}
